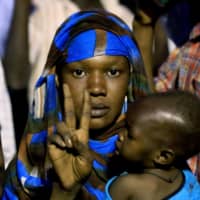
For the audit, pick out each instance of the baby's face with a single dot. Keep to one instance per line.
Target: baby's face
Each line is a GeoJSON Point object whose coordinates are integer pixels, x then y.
{"type": "Point", "coordinates": [136, 144]}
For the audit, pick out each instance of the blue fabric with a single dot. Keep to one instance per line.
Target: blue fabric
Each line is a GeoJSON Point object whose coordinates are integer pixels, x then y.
{"type": "Point", "coordinates": [83, 46]}
{"type": "Point", "coordinates": [8, 195]}
{"type": "Point", "coordinates": [109, 183]}
{"type": "Point", "coordinates": [30, 181]}
{"type": "Point", "coordinates": [103, 148]}
{"type": "Point", "coordinates": [94, 191]}
{"type": "Point", "coordinates": [189, 191]}
{"type": "Point", "coordinates": [61, 38]}
{"type": "Point", "coordinates": [50, 96]}
{"type": "Point", "coordinates": [116, 44]}
{"type": "Point", "coordinates": [39, 137]}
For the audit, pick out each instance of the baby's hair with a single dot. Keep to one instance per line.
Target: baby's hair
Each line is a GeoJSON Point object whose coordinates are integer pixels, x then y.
{"type": "Point", "coordinates": [175, 116]}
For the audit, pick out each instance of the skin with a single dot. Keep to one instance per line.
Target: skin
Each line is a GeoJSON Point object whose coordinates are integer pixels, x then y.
{"type": "Point", "coordinates": [140, 146]}
{"type": "Point", "coordinates": [151, 36]}
{"type": "Point", "coordinates": [87, 85]}
{"type": "Point", "coordinates": [137, 144]}
{"type": "Point", "coordinates": [143, 187]}
{"type": "Point", "coordinates": [106, 80]}
{"type": "Point", "coordinates": [148, 133]}
{"type": "Point", "coordinates": [75, 166]}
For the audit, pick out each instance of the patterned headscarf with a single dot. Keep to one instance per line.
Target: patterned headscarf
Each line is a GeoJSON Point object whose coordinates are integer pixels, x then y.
{"type": "Point", "coordinates": [80, 30]}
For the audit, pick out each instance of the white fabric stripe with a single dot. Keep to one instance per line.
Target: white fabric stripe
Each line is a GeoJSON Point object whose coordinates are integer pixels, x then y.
{"type": "Point", "coordinates": [6, 121]}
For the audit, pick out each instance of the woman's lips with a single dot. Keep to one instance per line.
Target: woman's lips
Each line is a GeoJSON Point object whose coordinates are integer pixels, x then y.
{"type": "Point", "coordinates": [99, 110]}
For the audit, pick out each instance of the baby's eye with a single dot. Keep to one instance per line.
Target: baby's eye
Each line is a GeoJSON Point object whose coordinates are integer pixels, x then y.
{"type": "Point", "coordinates": [78, 73]}
{"type": "Point", "coordinates": [113, 73]}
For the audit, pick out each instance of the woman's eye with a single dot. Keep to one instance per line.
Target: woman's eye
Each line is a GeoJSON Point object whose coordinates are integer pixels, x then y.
{"type": "Point", "coordinates": [78, 73]}
{"type": "Point", "coordinates": [113, 73]}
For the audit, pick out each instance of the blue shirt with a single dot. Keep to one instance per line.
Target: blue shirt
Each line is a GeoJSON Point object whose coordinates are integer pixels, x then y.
{"type": "Point", "coordinates": [190, 189]}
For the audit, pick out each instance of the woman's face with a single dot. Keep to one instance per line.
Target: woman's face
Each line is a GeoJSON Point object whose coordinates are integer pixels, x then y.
{"type": "Point", "coordinates": [106, 79]}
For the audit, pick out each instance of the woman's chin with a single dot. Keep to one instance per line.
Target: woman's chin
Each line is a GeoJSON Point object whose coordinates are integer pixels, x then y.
{"type": "Point", "coordinates": [98, 123]}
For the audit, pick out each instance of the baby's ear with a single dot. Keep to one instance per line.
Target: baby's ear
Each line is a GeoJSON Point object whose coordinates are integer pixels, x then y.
{"type": "Point", "coordinates": [164, 157]}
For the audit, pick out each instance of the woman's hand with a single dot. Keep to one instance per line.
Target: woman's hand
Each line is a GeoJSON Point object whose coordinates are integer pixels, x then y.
{"type": "Point", "coordinates": [68, 148]}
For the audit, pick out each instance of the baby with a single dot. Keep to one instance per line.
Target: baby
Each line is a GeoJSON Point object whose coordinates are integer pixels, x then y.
{"type": "Point", "coordinates": [163, 131]}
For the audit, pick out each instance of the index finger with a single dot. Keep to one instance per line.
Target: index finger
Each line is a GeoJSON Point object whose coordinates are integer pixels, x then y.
{"type": "Point", "coordinates": [69, 112]}
{"type": "Point", "coordinates": [85, 118]}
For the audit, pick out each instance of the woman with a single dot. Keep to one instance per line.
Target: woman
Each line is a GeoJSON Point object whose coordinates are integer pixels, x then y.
{"type": "Point", "coordinates": [93, 51]}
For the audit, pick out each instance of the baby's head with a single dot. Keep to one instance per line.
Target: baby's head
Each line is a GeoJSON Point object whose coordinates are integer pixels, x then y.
{"type": "Point", "coordinates": [163, 129]}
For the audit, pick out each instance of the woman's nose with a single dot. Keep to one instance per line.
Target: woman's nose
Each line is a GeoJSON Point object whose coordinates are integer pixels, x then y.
{"type": "Point", "coordinates": [97, 84]}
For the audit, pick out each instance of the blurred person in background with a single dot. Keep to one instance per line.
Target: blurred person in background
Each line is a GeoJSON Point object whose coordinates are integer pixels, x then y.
{"type": "Point", "coordinates": [181, 71]}
{"type": "Point", "coordinates": [31, 30]}
{"type": "Point", "coordinates": [159, 27]}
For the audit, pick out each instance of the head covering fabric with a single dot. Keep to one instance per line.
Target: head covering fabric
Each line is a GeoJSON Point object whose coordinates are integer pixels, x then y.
{"type": "Point", "coordinates": [87, 38]}
{"type": "Point", "coordinates": [119, 41]}
{"type": "Point", "coordinates": [31, 167]}
{"type": "Point", "coordinates": [87, 48]}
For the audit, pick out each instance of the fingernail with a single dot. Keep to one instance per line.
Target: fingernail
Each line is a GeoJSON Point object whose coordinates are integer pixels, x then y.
{"type": "Point", "coordinates": [68, 142]}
